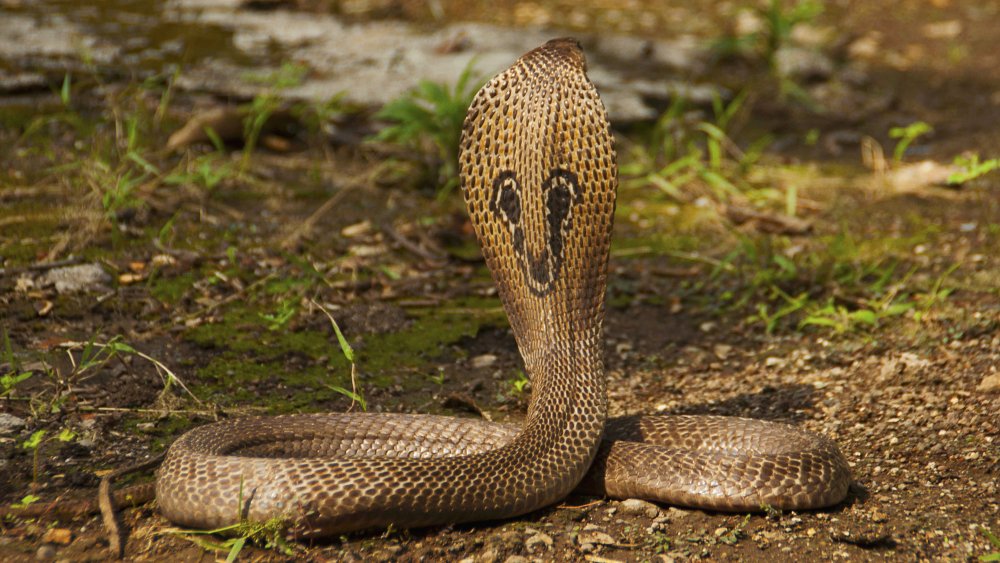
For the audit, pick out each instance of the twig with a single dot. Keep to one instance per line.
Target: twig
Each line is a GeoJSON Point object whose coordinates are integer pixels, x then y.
{"type": "Point", "coordinates": [704, 259]}
{"type": "Point", "coordinates": [293, 238]}
{"type": "Point", "coordinates": [176, 252]}
{"type": "Point", "coordinates": [106, 501]}
{"type": "Point", "coordinates": [233, 297]}
{"type": "Point", "coordinates": [412, 246]}
{"type": "Point", "coordinates": [588, 505]}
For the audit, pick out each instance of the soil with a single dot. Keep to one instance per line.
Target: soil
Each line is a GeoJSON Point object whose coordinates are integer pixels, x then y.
{"type": "Point", "coordinates": [222, 285]}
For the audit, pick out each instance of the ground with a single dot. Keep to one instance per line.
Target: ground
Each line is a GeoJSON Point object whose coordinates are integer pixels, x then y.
{"type": "Point", "coordinates": [856, 297]}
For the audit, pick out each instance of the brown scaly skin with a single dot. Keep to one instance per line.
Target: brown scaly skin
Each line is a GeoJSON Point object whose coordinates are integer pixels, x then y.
{"type": "Point", "coordinates": [539, 175]}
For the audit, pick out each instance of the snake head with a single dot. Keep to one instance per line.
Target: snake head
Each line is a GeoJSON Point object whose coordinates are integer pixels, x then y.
{"type": "Point", "coordinates": [538, 172]}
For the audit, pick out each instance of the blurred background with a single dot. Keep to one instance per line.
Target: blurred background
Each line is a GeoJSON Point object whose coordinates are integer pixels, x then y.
{"type": "Point", "coordinates": [808, 229]}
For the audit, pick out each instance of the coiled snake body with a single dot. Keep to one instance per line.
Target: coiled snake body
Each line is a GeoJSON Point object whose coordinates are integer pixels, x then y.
{"type": "Point", "coordinates": [539, 175]}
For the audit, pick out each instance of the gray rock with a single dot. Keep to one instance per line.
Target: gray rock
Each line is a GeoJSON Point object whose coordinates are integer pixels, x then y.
{"type": "Point", "coordinates": [639, 507]}
{"type": "Point", "coordinates": [594, 537]}
{"type": "Point", "coordinates": [21, 82]}
{"type": "Point", "coordinates": [9, 424]}
{"type": "Point", "coordinates": [799, 63]}
{"type": "Point", "coordinates": [72, 279]}
{"type": "Point", "coordinates": [374, 62]}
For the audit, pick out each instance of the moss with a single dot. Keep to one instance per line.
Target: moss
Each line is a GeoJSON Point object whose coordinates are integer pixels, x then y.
{"type": "Point", "coordinates": [231, 380]}
{"type": "Point", "coordinates": [170, 289]}
{"type": "Point", "coordinates": [432, 329]}
{"type": "Point", "coordinates": [163, 432]}
{"type": "Point", "coordinates": [257, 366]}
{"type": "Point", "coordinates": [242, 329]}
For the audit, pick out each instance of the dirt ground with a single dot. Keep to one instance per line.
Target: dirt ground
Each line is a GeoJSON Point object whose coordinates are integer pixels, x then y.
{"type": "Point", "coordinates": [217, 287]}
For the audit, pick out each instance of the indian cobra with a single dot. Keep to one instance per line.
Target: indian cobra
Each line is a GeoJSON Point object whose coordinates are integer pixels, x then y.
{"type": "Point", "coordinates": [539, 173]}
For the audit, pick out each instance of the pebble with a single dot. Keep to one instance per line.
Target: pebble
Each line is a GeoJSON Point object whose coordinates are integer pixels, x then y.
{"type": "Point", "coordinates": [675, 513]}
{"type": "Point", "coordinates": [539, 538]}
{"type": "Point", "coordinates": [517, 559]}
{"type": "Point", "coordinates": [45, 553]}
{"type": "Point", "coordinates": [588, 539]}
{"type": "Point", "coordinates": [639, 507]}
{"type": "Point", "coordinates": [76, 278]}
{"type": "Point", "coordinates": [722, 351]}
{"type": "Point", "coordinates": [484, 361]}
{"type": "Point", "coordinates": [989, 383]}
{"type": "Point", "coordinates": [772, 361]}
{"type": "Point", "coordinates": [61, 536]}
{"type": "Point", "coordinates": [797, 62]}
{"type": "Point", "coordinates": [10, 424]}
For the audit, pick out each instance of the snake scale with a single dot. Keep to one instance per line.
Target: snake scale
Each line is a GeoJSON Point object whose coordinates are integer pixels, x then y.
{"type": "Point", "coordinates": [539, 174]}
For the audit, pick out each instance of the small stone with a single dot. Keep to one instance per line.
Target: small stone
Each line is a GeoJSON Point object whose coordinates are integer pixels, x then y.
{"type": "Point", "coordinates": [368, 250]}
{"type": "Point", "coordinates": [865, 47]}
{"type": "Point", "coordinates": [639, 507]}
{"type": "Point", "coordinates": [61, 536]}
{"type": "Point", "coordinates": [484, 361]}
{"type": "Point", "coordinates": [722, 351]}
{"type": "Point", "coordinates": [357, 229]}
{"type": "Point", "coordinates": [76, 278]}
{"type": "Point", "coordinates": [989, 383]}
{"type": "Point", "coordinates": [949, 29]}
{"type": "Point", "coordinates": [675, 513]}
{"type": "Point", "coordinates": [796, 62]}
{"type": "Point", "coordinates": [516, 559]}
{"type": "Point", "coordinates": [45, 553]}
{"type": "Point", "coordinates": [540, 539]}
{"type": "Point", "coordinates": [772, 362]}
{"type": "Point", "coordinates": [24, 284]}
{"type": "Point", "coordinates": [594, 537]}
{"type": "Point", "coordinates": [10, 424]}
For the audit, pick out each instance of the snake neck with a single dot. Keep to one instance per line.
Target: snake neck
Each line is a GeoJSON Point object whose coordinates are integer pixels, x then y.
{"type": "Point", "coordinates": [538, 172]}
{"type": "Point", "coordinates": [568, 378]}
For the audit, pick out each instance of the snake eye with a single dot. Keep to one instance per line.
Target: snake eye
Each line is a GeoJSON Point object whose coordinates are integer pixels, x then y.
{"type": "Point", "coordinates": [506, 198]}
